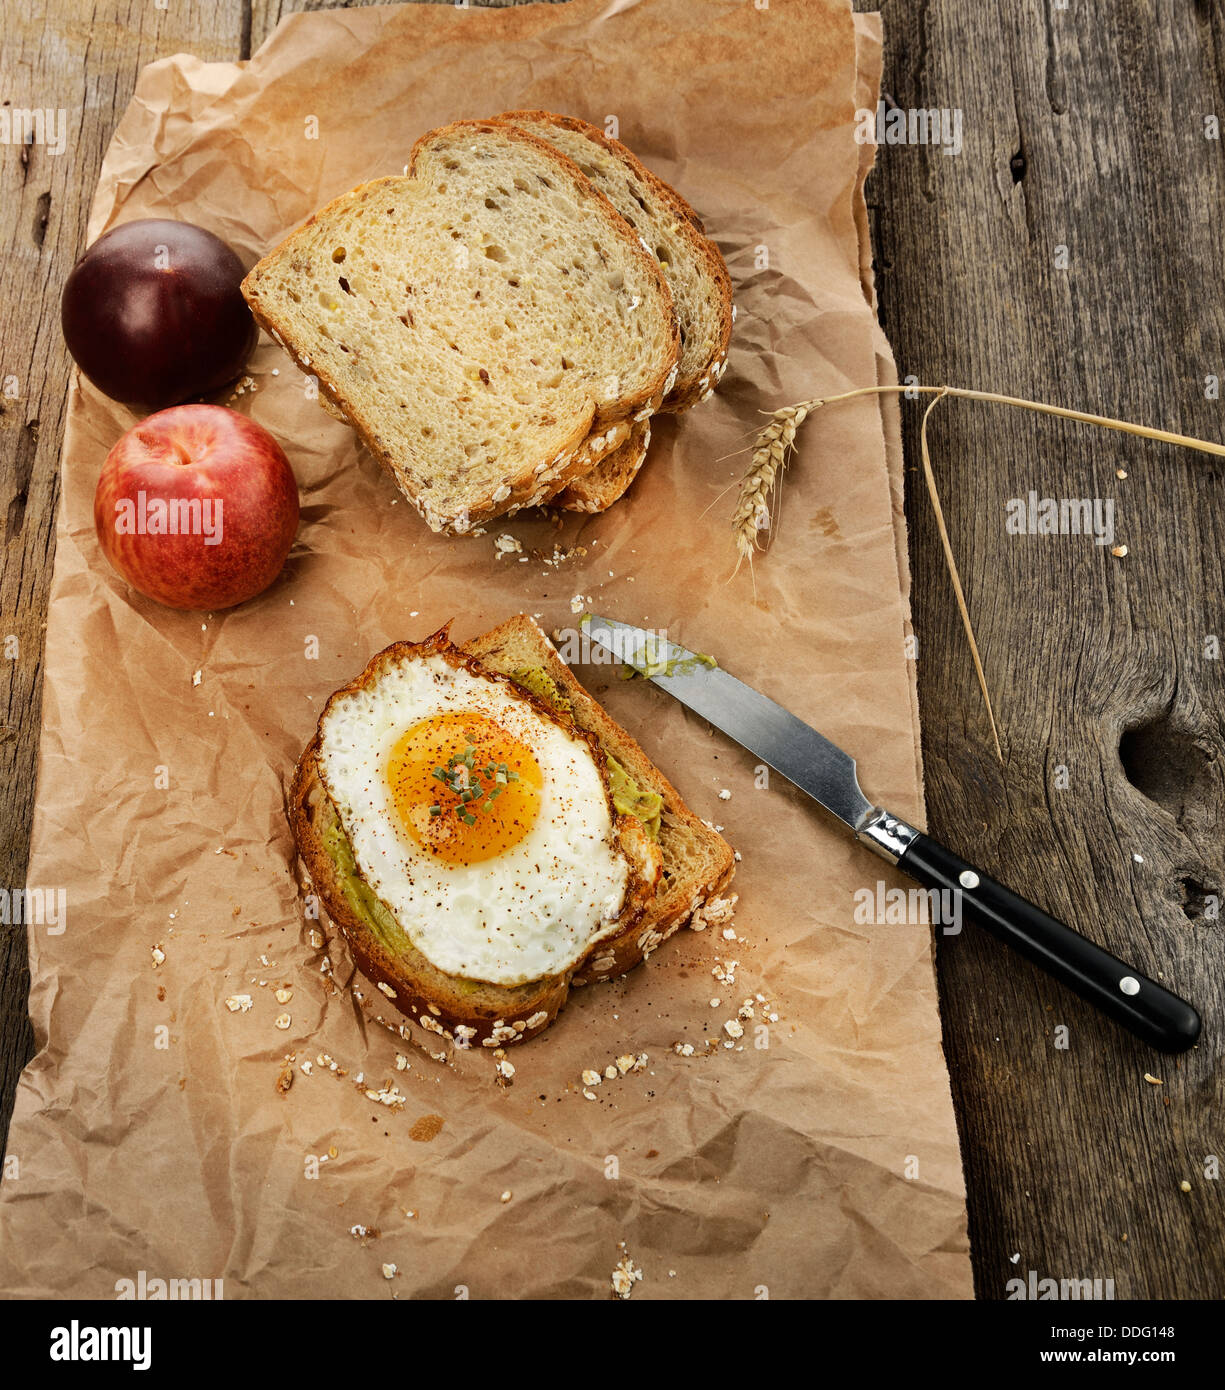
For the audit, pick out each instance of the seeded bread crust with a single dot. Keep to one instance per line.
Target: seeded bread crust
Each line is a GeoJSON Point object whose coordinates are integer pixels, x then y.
{"type": "Point", "coordinates": [598, 490]}
{"type": "Point", "coordinates": [467, 1012]}
{"type": "Point", "coordinates": [508, 471]}
{"type": "Point", "coordinates": [663, 218]}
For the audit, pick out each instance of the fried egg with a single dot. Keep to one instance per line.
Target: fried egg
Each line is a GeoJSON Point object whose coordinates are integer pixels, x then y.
{"type": "Point", "coordinates": [484, 824]}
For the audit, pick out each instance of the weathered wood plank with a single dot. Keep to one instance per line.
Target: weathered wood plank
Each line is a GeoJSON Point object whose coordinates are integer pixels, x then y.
{"type": "Point", "coordinates": [84, 65]}
{"type": "Point", "coordinates": [1082, 129]}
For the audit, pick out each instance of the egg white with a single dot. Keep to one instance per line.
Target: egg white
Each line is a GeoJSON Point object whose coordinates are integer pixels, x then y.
{"type": "Point", "coordinates": [527, 913]}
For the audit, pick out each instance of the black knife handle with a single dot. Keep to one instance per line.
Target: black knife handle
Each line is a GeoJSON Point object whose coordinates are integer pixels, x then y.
{"type": "Point", "coordinates": [1142, 1006]}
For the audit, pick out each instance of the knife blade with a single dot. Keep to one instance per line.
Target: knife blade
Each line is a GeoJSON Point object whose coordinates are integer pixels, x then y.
{"type": "Point", "coordinates": [830, 777]}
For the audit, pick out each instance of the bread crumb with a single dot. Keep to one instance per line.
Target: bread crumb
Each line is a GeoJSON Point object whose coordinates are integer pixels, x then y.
{"type": "Point", "coordinates": [590, 1077]}
{"type": "Point", "coordinates": [283, 1020]}
{"type": "Point", "coordinates": [158, 955]}
{"type": "Point", "coordinates": [507, 1195]}
{"type": "Point", "coordinates": [240, 1003]}
{"type": "Point", "coordinates": [389, 1271]}
{"type": "Point", "coordinates": [1184, 1186]}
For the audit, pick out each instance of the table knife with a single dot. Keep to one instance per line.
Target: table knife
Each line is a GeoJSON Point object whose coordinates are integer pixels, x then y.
{"type": "Point", "coordinates": [828, 775]}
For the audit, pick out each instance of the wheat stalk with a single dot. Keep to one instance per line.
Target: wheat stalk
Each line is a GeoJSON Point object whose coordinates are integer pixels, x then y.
{"type": "Point", "coordinates": [773, 446]}
{"type": "Point", "coordinates": [771, 451]}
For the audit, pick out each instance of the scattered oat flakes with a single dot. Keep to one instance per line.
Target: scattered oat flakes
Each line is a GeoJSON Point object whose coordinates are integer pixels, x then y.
{"type": "Point", "coordinates": [505, 1069]}
{"type": "Point", "coordinates": [283, 996]}
{"type": "Point", "coordinates": [1184, 1186]}
{"type": "Point", "coordinates": [389, 1271]}
{"type": "Point", "coordinates": [1153, 1080]}
{"type": "Point", "coordinates": [1118, 550]}
{"type": "Point", "coordinates": [237, 1003]}
{"type": "Point", "coordinates": [590, 1077]}
{"type": "Point", "coordinates": [158, 955]}
{"type": "Point", "coordinates": [283, 1020]}
{"type": "Point", "coordinates": [507, 545]}
{"type": "Point", "coordinates": [625, 1275]}
{"type": "Point", "coordinates": [589, 1095]}
{"type": "Point", "coordinates": [507, 1195]}
{"type": "Point", "coordinates": [725, 794]}
{"type": "Point", "coordinates": [734, 1028]}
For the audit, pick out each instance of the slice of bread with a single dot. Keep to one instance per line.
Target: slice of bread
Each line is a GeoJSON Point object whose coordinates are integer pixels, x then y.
{"type": "Point", "coordinates": [476, 320]}
{"type": "Point", "coordinates": [465, 1010]}
{"type": "Point", "coordinates": [598, 490]}
{"type": "Point", "coordinates": [687, 866]}
{"type": "Point", "coordinates": [671, 230]}
{"type": "Point", "coordinates": [698, 863]}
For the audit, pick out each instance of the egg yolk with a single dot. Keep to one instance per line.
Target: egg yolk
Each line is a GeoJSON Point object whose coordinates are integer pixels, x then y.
{"type": "Point", "coordinates": [463, 787]}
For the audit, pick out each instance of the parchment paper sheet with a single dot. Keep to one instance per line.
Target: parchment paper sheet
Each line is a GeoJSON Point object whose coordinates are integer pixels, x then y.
{"type": "Point", "coordinates": [149, 1133]}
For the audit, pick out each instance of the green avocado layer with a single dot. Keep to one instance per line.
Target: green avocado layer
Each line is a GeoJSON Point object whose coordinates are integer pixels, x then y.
{"type": "Point", "coordinates": [364, 901]}
{"type": "Point", "coordinates": [628, 797]}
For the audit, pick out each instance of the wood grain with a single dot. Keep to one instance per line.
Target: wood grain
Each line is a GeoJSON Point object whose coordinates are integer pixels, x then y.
{"type": "Point", "coordinates": [1071, 138]}
{"type": "Point", "coordinates": [1081, 130]}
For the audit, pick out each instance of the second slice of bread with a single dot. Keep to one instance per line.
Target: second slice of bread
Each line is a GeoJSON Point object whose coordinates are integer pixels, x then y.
{"type": "Point", "coordinates": [670, 229]}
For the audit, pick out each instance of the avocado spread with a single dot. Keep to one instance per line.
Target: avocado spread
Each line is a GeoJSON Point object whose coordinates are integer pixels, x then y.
{"type": "Point", "coordinates": [364, 901]}
{"type": "Point", "coordinates": [367, 906]}
{"type": "Point", "coordinates": [628, 797]}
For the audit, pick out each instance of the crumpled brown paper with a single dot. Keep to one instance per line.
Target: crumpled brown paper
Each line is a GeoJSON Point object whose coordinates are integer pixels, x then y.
{"type": "Point", "coordinates": [150, 1134]}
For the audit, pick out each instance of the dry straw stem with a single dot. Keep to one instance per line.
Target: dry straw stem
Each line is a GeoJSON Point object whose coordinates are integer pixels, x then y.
{"type": "Point", "coordinates": [773, 446]}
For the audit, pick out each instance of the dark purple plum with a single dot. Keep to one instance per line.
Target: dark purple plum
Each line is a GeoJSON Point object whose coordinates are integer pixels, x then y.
{"type": "Point", "coordinates": [153, 315]}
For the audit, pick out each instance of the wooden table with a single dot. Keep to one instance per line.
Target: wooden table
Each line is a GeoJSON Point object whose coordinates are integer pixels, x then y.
{"type": "Point", "coordinates": [1071, 252]}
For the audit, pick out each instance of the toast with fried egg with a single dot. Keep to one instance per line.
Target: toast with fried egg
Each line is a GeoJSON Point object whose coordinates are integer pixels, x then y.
{"type": "Point", "coordinates": [474, 887]}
